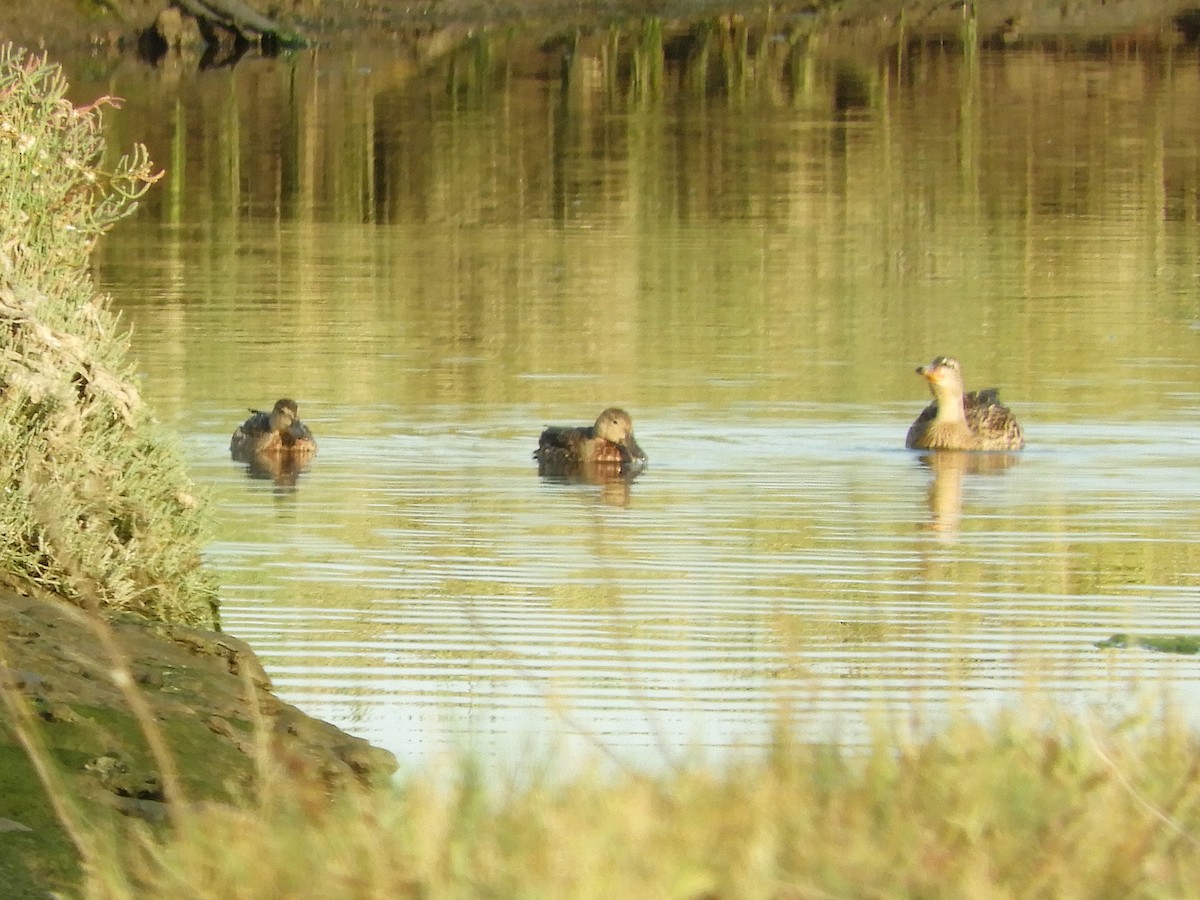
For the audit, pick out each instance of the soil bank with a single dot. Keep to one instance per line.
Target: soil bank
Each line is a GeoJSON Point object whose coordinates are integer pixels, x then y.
{"type": "Point", "coordinates": [205, 691]}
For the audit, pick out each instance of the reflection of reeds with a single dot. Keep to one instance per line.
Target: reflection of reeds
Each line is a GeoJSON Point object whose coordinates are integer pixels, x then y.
{"type": "Point", "coordinates": [695, 199]}
{"type": "Point", "coordinates": [969, 33]}
{"type": "Point", "coordinates": [471, 70]}
{"type": "Point", "coordinates": [647, 64]}
{"type": "Point", "coordinates": [735, 55]}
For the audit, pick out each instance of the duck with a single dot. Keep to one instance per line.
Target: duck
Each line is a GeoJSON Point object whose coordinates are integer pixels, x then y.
{"type": "Point", "coordinates": [277, 433]}
{"type": "Point", "coordinates": [960, 421]}
{"type": "Point", "coordinates": [607, 445]}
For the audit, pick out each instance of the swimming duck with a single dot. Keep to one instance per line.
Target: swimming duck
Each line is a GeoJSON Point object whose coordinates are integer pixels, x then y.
{"type": "Point", "coordinates": [278, 432]}
{"type": "Point", "coordinates": [609, 444]}
{"type": "Point", "coordinates": [958, 421]}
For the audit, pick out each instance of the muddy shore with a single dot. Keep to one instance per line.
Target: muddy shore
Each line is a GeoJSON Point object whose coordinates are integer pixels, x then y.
{"type": "Point", "coordinates": [205, 691]}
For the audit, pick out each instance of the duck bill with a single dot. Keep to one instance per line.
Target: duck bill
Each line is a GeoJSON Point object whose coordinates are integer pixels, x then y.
{"type": "Point", "coordinates": [633, 453]}
{"type": "Point", "coordinates": [933, 374]}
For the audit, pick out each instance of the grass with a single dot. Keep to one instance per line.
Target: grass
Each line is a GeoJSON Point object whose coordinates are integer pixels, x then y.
{"type": "Point", "coordinates": [98, 507]}
{"type": "Point", "coordinates": [1006, 811]}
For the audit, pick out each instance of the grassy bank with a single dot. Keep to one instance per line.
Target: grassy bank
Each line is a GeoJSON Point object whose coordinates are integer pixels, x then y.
{"type": "Point", "coordinates": [98, 508]}
{"type": "Point", "coordinates": [1012, 810]}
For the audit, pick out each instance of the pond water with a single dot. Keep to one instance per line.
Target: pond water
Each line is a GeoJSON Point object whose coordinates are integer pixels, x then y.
{"type": "Point", "coordinates": [439, 253]}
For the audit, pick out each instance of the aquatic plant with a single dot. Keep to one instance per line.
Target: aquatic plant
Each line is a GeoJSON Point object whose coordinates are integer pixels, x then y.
{"type": "Point", "coordinates": [1183, 644]}
{"type": "Point", "coordinates": [98, 507]}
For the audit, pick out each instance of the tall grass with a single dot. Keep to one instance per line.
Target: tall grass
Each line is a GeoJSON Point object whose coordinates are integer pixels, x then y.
{"type": "Point", "coordinates": [98, 508]}
{"type": "Point", "coordinates": [1007, 811]}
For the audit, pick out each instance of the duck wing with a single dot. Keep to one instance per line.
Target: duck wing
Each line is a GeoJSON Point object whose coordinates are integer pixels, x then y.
{"type": "Point", "coordinates": [992, 421]}
{"type": "Point", "coordinates": [245, 434]}
{"type": "Point", "coordinates": [558, 440]}
{"type": "Point", "coordinates": [920, 425]}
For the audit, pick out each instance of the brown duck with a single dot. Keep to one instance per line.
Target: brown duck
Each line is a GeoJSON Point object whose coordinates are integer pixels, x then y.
{"type": "Point", "coordinates": [609, 444]}
{"type": "Point", "coordinates": [279, 432]}
{"type": "Point", "coordinates": [959, 421]}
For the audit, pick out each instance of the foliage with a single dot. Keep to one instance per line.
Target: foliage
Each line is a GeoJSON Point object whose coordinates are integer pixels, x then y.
{"type": "Point", "coordinates": [98, 507]}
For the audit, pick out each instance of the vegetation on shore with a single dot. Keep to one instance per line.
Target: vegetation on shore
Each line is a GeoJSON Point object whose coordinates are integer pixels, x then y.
{"type": "Point", "coordinates": [105, 717]}
{"type": "Point", "coordinates": [98, 508]}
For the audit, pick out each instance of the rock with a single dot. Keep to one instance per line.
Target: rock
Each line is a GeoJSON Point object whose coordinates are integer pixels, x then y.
{"type": "Point", "coordinates": [148, 676]}
{"type": "Point", "coordinates": [21, 680]}
{"type": "Point", "coordinates": [59, 713]}
{"type": "Point", "coordinates": [153, 811]}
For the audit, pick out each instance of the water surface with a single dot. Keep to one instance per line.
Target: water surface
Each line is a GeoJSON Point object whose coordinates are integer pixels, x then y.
{"type": "Point", "coordinates": [437, 258]}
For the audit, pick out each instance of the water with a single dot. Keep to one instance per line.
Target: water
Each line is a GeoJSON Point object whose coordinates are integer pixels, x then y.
{"type": "Point", "coordinates": [437, 257]}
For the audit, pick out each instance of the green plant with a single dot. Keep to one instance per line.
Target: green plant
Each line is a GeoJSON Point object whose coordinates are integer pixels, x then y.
{"type": "Point", "coordinates": [98, 507]}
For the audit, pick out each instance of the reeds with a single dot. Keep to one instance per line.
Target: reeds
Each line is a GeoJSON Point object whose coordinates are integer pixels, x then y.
{"type": "Point", "coordinates": [1033, 805]}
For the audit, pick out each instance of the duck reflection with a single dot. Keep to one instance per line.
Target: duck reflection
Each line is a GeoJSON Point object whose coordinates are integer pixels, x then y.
{"type": "Point", "coordinates": [612, 479]}
{"type": "Point", "coordinates": [284, 470]}
{"type": "Point", "coordinates": [950, 469]}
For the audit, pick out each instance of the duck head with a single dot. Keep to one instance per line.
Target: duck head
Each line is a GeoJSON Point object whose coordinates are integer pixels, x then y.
{"type": "Point", "coordinates": [284, 414]}
{"type": "Point", "coordinates": [615, 426]}
{"type": "Point", "coordinates": [944, 376]}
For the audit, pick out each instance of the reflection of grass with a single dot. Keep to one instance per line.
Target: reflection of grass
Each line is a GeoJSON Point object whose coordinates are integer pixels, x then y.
{"type": "Point", "coordinates": [1170, 643]}
{"type": "Point", "coordinates": [1007, 811]}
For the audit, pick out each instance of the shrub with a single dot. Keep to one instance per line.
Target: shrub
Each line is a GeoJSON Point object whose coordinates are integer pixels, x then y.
{"type": "Point", "coordinates": [98, 507]}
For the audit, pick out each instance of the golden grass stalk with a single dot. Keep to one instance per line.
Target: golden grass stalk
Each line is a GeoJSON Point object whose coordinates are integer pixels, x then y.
{"type": "Point", "coordinates": [1011, 810]}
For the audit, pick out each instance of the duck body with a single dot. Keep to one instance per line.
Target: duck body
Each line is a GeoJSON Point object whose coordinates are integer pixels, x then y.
{"type": "Point", "coordinates": [957, 420]}
{"type": "Point", "coordinates": [276, 433]}
{"type": "Point", "coordinates": [608, 445]}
